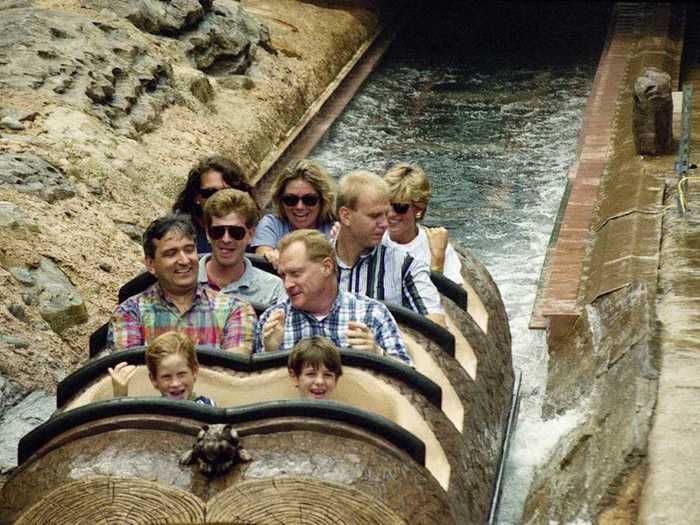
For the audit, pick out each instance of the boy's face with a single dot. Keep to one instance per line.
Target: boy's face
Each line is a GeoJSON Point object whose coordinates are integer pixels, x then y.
{"type": "Point", "coordinates": [314, 383]}
{"type": "Point", "coordinates": [174, 379]}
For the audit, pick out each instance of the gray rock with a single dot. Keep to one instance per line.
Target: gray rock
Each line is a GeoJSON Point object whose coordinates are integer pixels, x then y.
{"type": "Point", "coordinates": [29, 173]}
{"type": "Point", "coordinates": [94, 67]}
{"type": "Point", "coordinates": [22, 418]}
{"type": "Point", "coordinates": [11, 123]}
{"type": "Point", "coordinates": [652, 114]}
{"type": "Point", "coordinates": [236, 82]}
{"type": "Point", "coordinates": [10, 215]}
{"type": "Point", "coordinates": [10, 394]}
{"type": "Point", "coordinates": [226, 40]}
{"type": "Point", "coordinates": [14, 342]}
{"type": "Point", "coordinates": [134, 232]}
{"type": "Point", "coordinates": [59, 302]}
{"type": "Point", "coordinates": [18, 311]}
{"type": "Point", "coordinates": [166, 17]}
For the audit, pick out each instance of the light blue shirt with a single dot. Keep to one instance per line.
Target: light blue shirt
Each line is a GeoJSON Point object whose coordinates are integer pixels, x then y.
{"type": "Point", "coordinates": [271, 229]}
{"type": "Point", "coordinates": [254, 285]}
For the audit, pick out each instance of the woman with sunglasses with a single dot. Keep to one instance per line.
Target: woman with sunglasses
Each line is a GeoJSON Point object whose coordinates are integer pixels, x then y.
{"type": "Point", "coordinates": [209, 175]}
{"type": "Point", "coordinates": [410, 194]}
{"type": "Point", "coordinates": [303, 195]}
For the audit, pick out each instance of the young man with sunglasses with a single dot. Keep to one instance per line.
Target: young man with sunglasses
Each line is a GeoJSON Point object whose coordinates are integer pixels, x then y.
{"type": "Point", "coordinates": [230, 217]}
{"type": "Point", "coordinates": [369, 267]}
{"type": "Point", "coordinates": [176, 301]}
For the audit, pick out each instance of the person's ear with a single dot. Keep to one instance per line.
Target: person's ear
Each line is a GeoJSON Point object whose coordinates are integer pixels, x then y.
{"type": "Point", "coordinates": [150, 265]}
{"type": "Point", "coordinates": [251, 233]}
{"type": "Point", "coordinates": [195, 371]}
{"type": "Point", "coordinates": [344, 216]}
{"type": "Point", "coordinates": [420, 210]}
{"type": "Point", "coordinates": [293, 377]}
{"type": "Point", "coordinates": [327, 266]}
{"type": "Point", "coordinates": [153, 381]}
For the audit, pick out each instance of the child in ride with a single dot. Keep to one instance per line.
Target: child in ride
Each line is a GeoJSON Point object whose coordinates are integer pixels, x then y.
{"type": "Point", "coordinates": [314, 367]}
{"type": "Point", "coordinates": [172, 368]}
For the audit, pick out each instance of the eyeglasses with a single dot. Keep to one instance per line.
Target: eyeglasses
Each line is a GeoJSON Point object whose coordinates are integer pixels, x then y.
{"type": "Point", "coordinates": [291, 200]}
{"type": "Point", "coordinates": [207, 192]}
{"type": "Point", "coordinates": [400, 207]}
{"type": "Point", "coordinates": [217, 232]}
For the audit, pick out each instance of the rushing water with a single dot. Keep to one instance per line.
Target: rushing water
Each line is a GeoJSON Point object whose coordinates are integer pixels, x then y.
{"type": "Point", "coordinates": [497, 136]}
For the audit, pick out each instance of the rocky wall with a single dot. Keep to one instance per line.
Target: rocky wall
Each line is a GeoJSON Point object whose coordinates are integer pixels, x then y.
{"type": "Point", "coordinates": [104, 107]}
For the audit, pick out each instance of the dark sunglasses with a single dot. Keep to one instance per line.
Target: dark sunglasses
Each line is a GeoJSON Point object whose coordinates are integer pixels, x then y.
{"type": "Point", "coordinates": [291, 200]}
{"type": "Point", "coordinates": [400, 207]}
{"type": "Point", "coordinates": [217, 232]}
{"type": "Point", "coordinates": [207, 192]}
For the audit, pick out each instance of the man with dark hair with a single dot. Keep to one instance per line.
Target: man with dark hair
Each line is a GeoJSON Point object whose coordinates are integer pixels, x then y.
{"type": "Point", "coordinates": [230, 217]}
{"type": "Point", "coordinates": [209, 175]}
{"type": "Point", "coordinates": [176, 301]}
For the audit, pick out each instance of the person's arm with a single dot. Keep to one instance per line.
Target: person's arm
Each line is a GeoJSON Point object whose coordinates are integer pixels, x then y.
{"type": "Point", "coordinates": [273, 331]}
{"type": "Point", "coordinates": [386, 333]}
{"type": "Point", "coordinates": [361, 338]}
{"type": "Point", "coordinates": [272, 255]}
{"type": "Point", "coordinates": [239, 330]}
{"type": "Point", "coordinates": [126, 326]}
{"type": "Point", "coordinates": [437, 242]}
{"type": "Point", "coordinates": [121, 375]}
{"type": "Point", "coordinates": [268, 232]}
{"type": "Point", "coordinates": [419, 293]}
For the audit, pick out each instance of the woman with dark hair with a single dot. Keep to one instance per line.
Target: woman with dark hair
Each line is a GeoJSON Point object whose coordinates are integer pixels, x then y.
{"type": "Point", "coordinates": [209, 175]}
{"type": "Point", "coordinates": [304, 197]}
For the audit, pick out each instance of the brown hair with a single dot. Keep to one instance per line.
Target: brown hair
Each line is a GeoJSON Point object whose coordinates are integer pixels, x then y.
{"type": "Point", "coordinates": [231, 172]}
{"type": "Point", "coordinates": [313, 173]}
{"type": "Point", "coordinates": [226, 201]}
{"type": "Point", "coordinates": [355, 183]}
{"type": "Point", "coordinates": [408, 184]}
{"type": "Point", "coordinates": [167, 344]}
{"type": "Point", "coordinates": [317, 246]}
{"type": "Point", "coordinates": [315, 351]}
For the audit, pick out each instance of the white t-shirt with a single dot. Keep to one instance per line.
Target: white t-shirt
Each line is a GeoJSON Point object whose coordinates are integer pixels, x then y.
{"type": "Point", "coordinates": [419, 248]}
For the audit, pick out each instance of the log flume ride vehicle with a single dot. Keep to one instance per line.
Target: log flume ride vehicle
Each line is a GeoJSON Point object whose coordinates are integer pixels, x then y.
{"type": "Point", "coordinates": [398, 445]}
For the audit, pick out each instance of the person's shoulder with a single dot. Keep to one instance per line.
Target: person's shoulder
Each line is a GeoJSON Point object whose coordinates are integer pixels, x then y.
{"type": "Point", "coordinates": [261, 275]}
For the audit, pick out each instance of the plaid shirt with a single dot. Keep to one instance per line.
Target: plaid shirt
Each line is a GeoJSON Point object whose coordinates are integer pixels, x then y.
{"type": "Point", "coordinates": [216, 320]}
{"type": "Point", "coordinates": [347, 307]}
{"type": "Point", "coordinates": [388, 274]}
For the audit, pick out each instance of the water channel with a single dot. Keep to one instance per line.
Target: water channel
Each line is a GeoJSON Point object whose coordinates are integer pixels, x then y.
{"type": "Point", "coordinates": [495, 127]}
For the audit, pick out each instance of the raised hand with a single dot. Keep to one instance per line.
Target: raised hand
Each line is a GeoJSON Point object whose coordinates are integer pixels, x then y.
{"type": "Point", "coordinates": [360, 337]}
{"type": "Point", "coordinates": [437, 240]}
{"type": "Point", "coordinates": [273, 331]}
{"type": "Point", "coordinates": [121, 375]}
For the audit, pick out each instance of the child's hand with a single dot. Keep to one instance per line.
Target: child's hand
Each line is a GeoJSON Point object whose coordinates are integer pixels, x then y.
{"type": "Point", "coordinates": [360, 337]}
{"type": "Point", "coordinates": [273, 331]}
{"type": "Point", "coordinates": [121, 375]}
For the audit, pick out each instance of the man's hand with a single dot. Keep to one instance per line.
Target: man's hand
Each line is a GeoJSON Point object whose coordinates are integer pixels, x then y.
{"type": "Point", "coordinates": [121, 375]}
{"type": "Point", "coordinates": [273, 331]}
{"type": "Point", "coordinates": [360, 337]}
{"type": "Point", "coordinates": [437, 240]}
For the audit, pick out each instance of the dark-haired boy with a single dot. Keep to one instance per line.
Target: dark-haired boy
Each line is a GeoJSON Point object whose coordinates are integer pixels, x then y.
{"type": "Point", "coordinates": [314, 367]}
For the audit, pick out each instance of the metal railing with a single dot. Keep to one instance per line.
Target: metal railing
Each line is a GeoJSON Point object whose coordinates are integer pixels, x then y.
{"type": "Point", "coordinates": [682, 164]}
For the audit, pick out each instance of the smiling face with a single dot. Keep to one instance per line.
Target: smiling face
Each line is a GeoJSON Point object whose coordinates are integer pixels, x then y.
{"type": "Point", "coordinates": [402, 226]}
{"type": "Point", "coordinates": [300, 215]}
{"type": "Point", "coordinates": [368, 221]}
{"type": "Point", "coordinates": [228, 251]}
{"type": "Point", "coordinates": [174, 378]}
{"type": "Point", "coordinates": [315, 382]}
{"type": "Point", "coordinates": [308, 283]}
{"type": "Point", "coordinates": [175, 263]}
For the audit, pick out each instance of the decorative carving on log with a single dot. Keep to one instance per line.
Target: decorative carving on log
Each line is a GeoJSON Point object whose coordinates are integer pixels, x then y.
{"type": "Point", "coordinates": [216, 450]}
{"type": "Point", "coordinates": [653, 112]}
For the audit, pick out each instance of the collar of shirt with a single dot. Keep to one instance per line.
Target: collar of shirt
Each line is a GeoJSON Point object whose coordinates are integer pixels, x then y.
{"type": "Point", "coordinates": [245, 282]}
{"type": "Point", "coordinates": [200, 295]}
{"type": "Point", "coordinates": [334, 307]}
{"type": "Point", "coordinates": [363, 257]}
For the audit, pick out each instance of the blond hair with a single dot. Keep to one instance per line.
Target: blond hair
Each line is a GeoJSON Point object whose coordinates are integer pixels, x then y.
{"type": "Point", "coordinates": [356, 183]}
{"type": "Point", "coordinates": [229, 200]}
{"type": "Point", "coordinates": [408, 184]}
{"type": "Point", "coordinates": [170, 343]}
{"type": "Point", "coordinates": [317, 246]}
{"type": "Point", "coordinates": [313, 173]}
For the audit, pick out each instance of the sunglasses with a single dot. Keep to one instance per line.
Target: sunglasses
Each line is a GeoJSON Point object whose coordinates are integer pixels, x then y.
{"type": "Point", "coordinates": [291, 200]}
{"type": "Point", "coordinates": [207, 192]}
{"type": "Point", "coordinates": [217, 232]}
{"type": "Point", "coordinates": [400, 207]}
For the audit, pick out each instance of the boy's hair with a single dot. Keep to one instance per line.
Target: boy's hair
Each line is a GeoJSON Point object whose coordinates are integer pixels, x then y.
{"type": "Point", "coordinates": [167, 344]}
{"type": "Point", "coordinates": [315, 351]}
{"type": "Point", "coordinates": [313, 173]}
{"type": "Point", "coordinates": [356, 183]}
{"type": "Point", "coordinates": [408, 184]}
{"type": "Point", "coordinates": [229, 200]}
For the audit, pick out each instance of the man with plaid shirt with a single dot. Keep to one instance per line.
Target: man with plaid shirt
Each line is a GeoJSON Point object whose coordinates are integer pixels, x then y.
{"type": "Point", "coordinates": [315, 306]}
{"type": "Point", "coordinates": [176, 301]}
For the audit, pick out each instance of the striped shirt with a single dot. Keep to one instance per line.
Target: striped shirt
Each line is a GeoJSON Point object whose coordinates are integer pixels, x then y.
{"type": "Point", "coordinates": [214, 319]}
{"type": "Point", "coordinates": [347, 307]}
{"type": "Point", "coordinates": [390, 275]}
